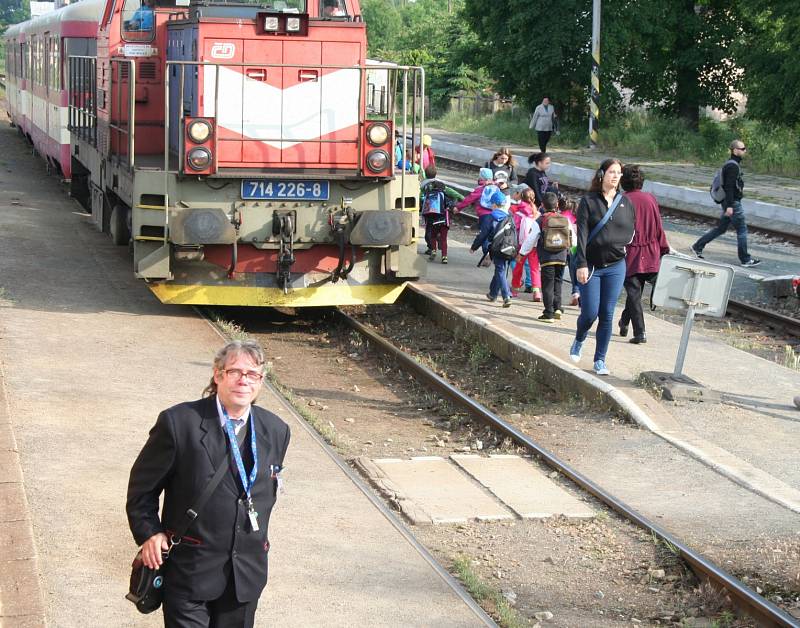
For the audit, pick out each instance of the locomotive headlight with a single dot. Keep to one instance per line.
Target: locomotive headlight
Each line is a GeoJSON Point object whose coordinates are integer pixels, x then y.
{"type": "Point", "coordinates": [377, 160]}
{"type": "Point", "coordinates": [199, 131]}
{"type": "Point", "coordinates": [293, 24]}
{"type": "Point", "coordinates": [270, 23]}
{"type": "Point", "coordinates": [198, 158]}
{"type": "Point", "coordinates": [377, 134]}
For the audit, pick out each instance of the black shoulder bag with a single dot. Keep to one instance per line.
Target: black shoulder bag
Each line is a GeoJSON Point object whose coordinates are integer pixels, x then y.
{"type": "Point", "coordinates": [146, 589]}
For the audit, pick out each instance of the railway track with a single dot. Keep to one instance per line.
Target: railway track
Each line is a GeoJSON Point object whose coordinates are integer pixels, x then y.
{"type": "Point", "coordinates": [741, 309]}
{"type": "Point", "coordinates": [745, 599]}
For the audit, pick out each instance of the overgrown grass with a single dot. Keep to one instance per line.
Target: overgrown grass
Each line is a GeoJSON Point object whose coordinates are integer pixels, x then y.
{"type": "Point", "coordinates": [488, 597]}
{"type": "Point", "coordinates": [772, 149]}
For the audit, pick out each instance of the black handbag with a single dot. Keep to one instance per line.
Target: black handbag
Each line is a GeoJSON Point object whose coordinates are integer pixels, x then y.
{"type": "Point", "coordinates": [146, 588]}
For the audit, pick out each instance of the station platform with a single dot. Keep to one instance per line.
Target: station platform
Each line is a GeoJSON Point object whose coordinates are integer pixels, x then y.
{"type": "Point", "coordinates": [89, 358]}
{"type": "Point", "coordinates": [749, 437]}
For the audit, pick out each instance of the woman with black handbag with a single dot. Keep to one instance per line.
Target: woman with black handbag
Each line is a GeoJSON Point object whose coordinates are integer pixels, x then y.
{"type": "Point", "coordinates": [605, 227]}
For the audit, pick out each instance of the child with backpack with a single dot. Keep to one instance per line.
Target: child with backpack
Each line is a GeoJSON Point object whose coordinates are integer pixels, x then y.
{"type": "Point", "coordinates": [523, 208]}
{"type": "Point", "coordinates": [437, 199]}
{"type": "Point", "coordinates": [552, 240]}
{"type": "Point", "coordinates": [501, 236]}
{"type": "Point", "coordinates": [567, 208]}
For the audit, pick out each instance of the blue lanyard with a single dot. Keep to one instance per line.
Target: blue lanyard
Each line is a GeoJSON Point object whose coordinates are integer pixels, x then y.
{"type": "Point", "coordinates": [247, 483]}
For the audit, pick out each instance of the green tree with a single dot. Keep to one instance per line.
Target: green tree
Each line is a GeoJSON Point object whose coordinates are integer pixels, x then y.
{"type": "Point", "coordinates": [678, 55]}
{"type": "Point", "coordinates": [13, 12]}
{"type": "Point", "coordinates": [430, 33]}
{"type": "Point", "coordinates": [383, 27]}
{"type": "Point", "coordinates": [544, 50]}
{"type": "Point", "coordinates": [768, 56]}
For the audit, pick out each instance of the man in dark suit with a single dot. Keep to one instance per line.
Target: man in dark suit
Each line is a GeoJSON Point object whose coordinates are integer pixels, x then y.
{"type": "Point", "coordinates": [215, 574]}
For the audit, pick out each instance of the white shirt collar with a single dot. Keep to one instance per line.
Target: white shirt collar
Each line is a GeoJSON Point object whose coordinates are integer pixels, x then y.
{"type": "Point", "coordinates": [221, 413]}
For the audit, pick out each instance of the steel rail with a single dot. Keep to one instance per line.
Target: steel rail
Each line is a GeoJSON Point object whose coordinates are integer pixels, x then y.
{"type": "Point", "coordinates": [789, 325]}
{"type": "Point", "coordinates": [757, 607]}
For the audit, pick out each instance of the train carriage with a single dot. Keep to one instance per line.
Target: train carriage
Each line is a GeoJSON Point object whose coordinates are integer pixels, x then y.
{"type": "Point", "coordinates": [231, 145]}
{"type": "Point", "coordinates": [36, 53]}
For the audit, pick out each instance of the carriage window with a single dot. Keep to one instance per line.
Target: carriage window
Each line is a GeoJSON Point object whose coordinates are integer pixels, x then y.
{"type": "Point", "coordinates": [138, 20]}
{"type": "Point", "coordinates": [332, 9]}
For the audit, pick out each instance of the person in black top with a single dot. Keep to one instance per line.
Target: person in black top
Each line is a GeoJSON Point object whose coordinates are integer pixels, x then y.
{"type": "Point", "coordinates": [537, 178]}
{"type": "Point", "coordinates": [733, 214]}
{"type": "Point", "coordinates": [503, 160]}
{"type": "Point", "coordinates": [215, 573]}
{"type": "Point", "coordinates": [600, 261]}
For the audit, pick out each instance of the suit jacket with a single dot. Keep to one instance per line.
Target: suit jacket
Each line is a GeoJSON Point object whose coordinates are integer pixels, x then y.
{"type": "Point", "coordinates": [179, 459]}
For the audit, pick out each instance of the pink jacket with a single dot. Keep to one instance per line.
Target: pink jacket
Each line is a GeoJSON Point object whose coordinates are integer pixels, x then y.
{"type": "Point", "coordinates": [472, 199]}
{"type": "Point", "coordinates": [519, 211]}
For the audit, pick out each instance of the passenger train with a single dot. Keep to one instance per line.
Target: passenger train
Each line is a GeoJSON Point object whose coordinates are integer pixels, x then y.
{"type": "Point", "coordinates": [233, 146]}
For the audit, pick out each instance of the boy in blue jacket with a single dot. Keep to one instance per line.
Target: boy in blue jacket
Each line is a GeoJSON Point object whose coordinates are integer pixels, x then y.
{"type": "Point", "coordinates": [500, 204]}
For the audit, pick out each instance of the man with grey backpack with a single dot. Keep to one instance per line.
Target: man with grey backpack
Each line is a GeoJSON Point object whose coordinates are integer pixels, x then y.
{"type": "Point", "coordinates": [727, 189]}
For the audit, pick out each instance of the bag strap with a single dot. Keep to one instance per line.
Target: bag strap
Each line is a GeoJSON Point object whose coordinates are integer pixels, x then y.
{"type": "Point", "coordinates": [192, 513]}
{"type": "Point", "coordinates": [599, 226]}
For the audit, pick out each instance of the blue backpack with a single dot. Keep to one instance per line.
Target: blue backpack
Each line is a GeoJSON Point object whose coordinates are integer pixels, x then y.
{"type": "Point", "coordinates": [433, 202]}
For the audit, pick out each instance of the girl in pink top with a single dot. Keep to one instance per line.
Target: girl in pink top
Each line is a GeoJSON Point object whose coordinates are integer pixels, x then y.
{"type": "Point", "coordinates": [525, 215]}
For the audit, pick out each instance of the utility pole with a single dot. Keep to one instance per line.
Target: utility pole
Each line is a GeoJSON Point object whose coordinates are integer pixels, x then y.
{"type": "Point", "coordinates": [594, 104]}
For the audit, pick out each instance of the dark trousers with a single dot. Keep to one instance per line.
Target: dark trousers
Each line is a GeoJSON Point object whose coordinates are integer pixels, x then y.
{"type": "Point", "coordinates": [429, 218]}
{"type": "Point", "coordinates": [439, 237]}
{"type": "Point", "coordinates": [634, 285]}
{"type": "Point", "coordinates": [598, 297]}
{"type": "Point", "coordinates": [224, 612]}
{"type": "Point", "coordinates": [544, 137]}
{"type": "Point", "coordinates": [551, 287]}
{"type": "Point", "coordinates": [483, 221]}
{"type": "Point", "coordinates": [738, 222]}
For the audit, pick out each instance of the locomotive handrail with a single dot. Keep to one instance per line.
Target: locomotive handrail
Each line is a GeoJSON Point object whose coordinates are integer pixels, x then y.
{"type": "Point", "coordinates": [130, 133]}
{"type": "Point", "coordinates": [82, 104]}
{"type": "Point", "coordinates": [180, 114]}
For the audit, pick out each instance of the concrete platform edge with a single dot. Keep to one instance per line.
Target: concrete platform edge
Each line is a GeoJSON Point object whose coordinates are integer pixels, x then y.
{"type": "Point", "coordinates": [567, 379]}
{"type": "Point", "coordinates": [21, 596]}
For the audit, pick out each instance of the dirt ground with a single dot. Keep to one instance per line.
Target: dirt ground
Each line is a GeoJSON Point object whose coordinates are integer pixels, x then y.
{"type": "Point", "coordinates": [601, 572]}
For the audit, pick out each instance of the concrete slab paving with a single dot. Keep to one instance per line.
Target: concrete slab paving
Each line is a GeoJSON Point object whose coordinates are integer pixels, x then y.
{"type": "Point", "coordinates": [439, 489]}
{"type": "Point", "coordinates": [522, 487]}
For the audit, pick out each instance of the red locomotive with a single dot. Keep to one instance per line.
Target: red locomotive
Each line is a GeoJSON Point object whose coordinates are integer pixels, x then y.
{"type": "Point", "coordinates": [237, 147]}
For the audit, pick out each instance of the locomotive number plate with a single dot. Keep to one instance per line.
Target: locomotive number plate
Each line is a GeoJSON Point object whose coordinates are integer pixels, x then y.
{"type": "Point", "coordinates": [261, 189]}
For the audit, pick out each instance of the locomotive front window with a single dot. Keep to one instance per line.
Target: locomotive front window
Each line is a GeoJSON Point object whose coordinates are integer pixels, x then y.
{"type": "Point", "coordinates": [278, 6]}
{"type": "Point", "coordinates": [332, 9]}
{"type": "Point", "coordinates": [138, 20]}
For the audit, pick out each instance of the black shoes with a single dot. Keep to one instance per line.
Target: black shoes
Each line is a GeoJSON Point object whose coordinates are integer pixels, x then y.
{"type": "Point", "coordinates": [623, 331]}
{"type": "Point", "coordinates": [638, 340]}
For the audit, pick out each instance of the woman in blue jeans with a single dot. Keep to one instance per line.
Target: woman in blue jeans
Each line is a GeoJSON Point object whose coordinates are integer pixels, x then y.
{"type": "Point", "coordinates": [600, 258]}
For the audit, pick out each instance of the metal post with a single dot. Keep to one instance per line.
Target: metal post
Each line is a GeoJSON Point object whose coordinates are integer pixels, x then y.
{"type": "Point", "coordinates": [687, 329]}
{"type": "Point", "coordinates": [677, 373]}
{"type": "Point", "coordinates": [594, 104]}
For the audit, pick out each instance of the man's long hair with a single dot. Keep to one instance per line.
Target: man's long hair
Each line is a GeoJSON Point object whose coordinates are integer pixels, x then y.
{"type": "Point", "coordinates": [233, 349]}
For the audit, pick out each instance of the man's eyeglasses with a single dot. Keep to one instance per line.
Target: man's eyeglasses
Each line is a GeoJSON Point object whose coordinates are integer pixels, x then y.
{"type": "Point", "coordinates": [253, 377]}
{"type": "Point", "coordinates": [741, 148]}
